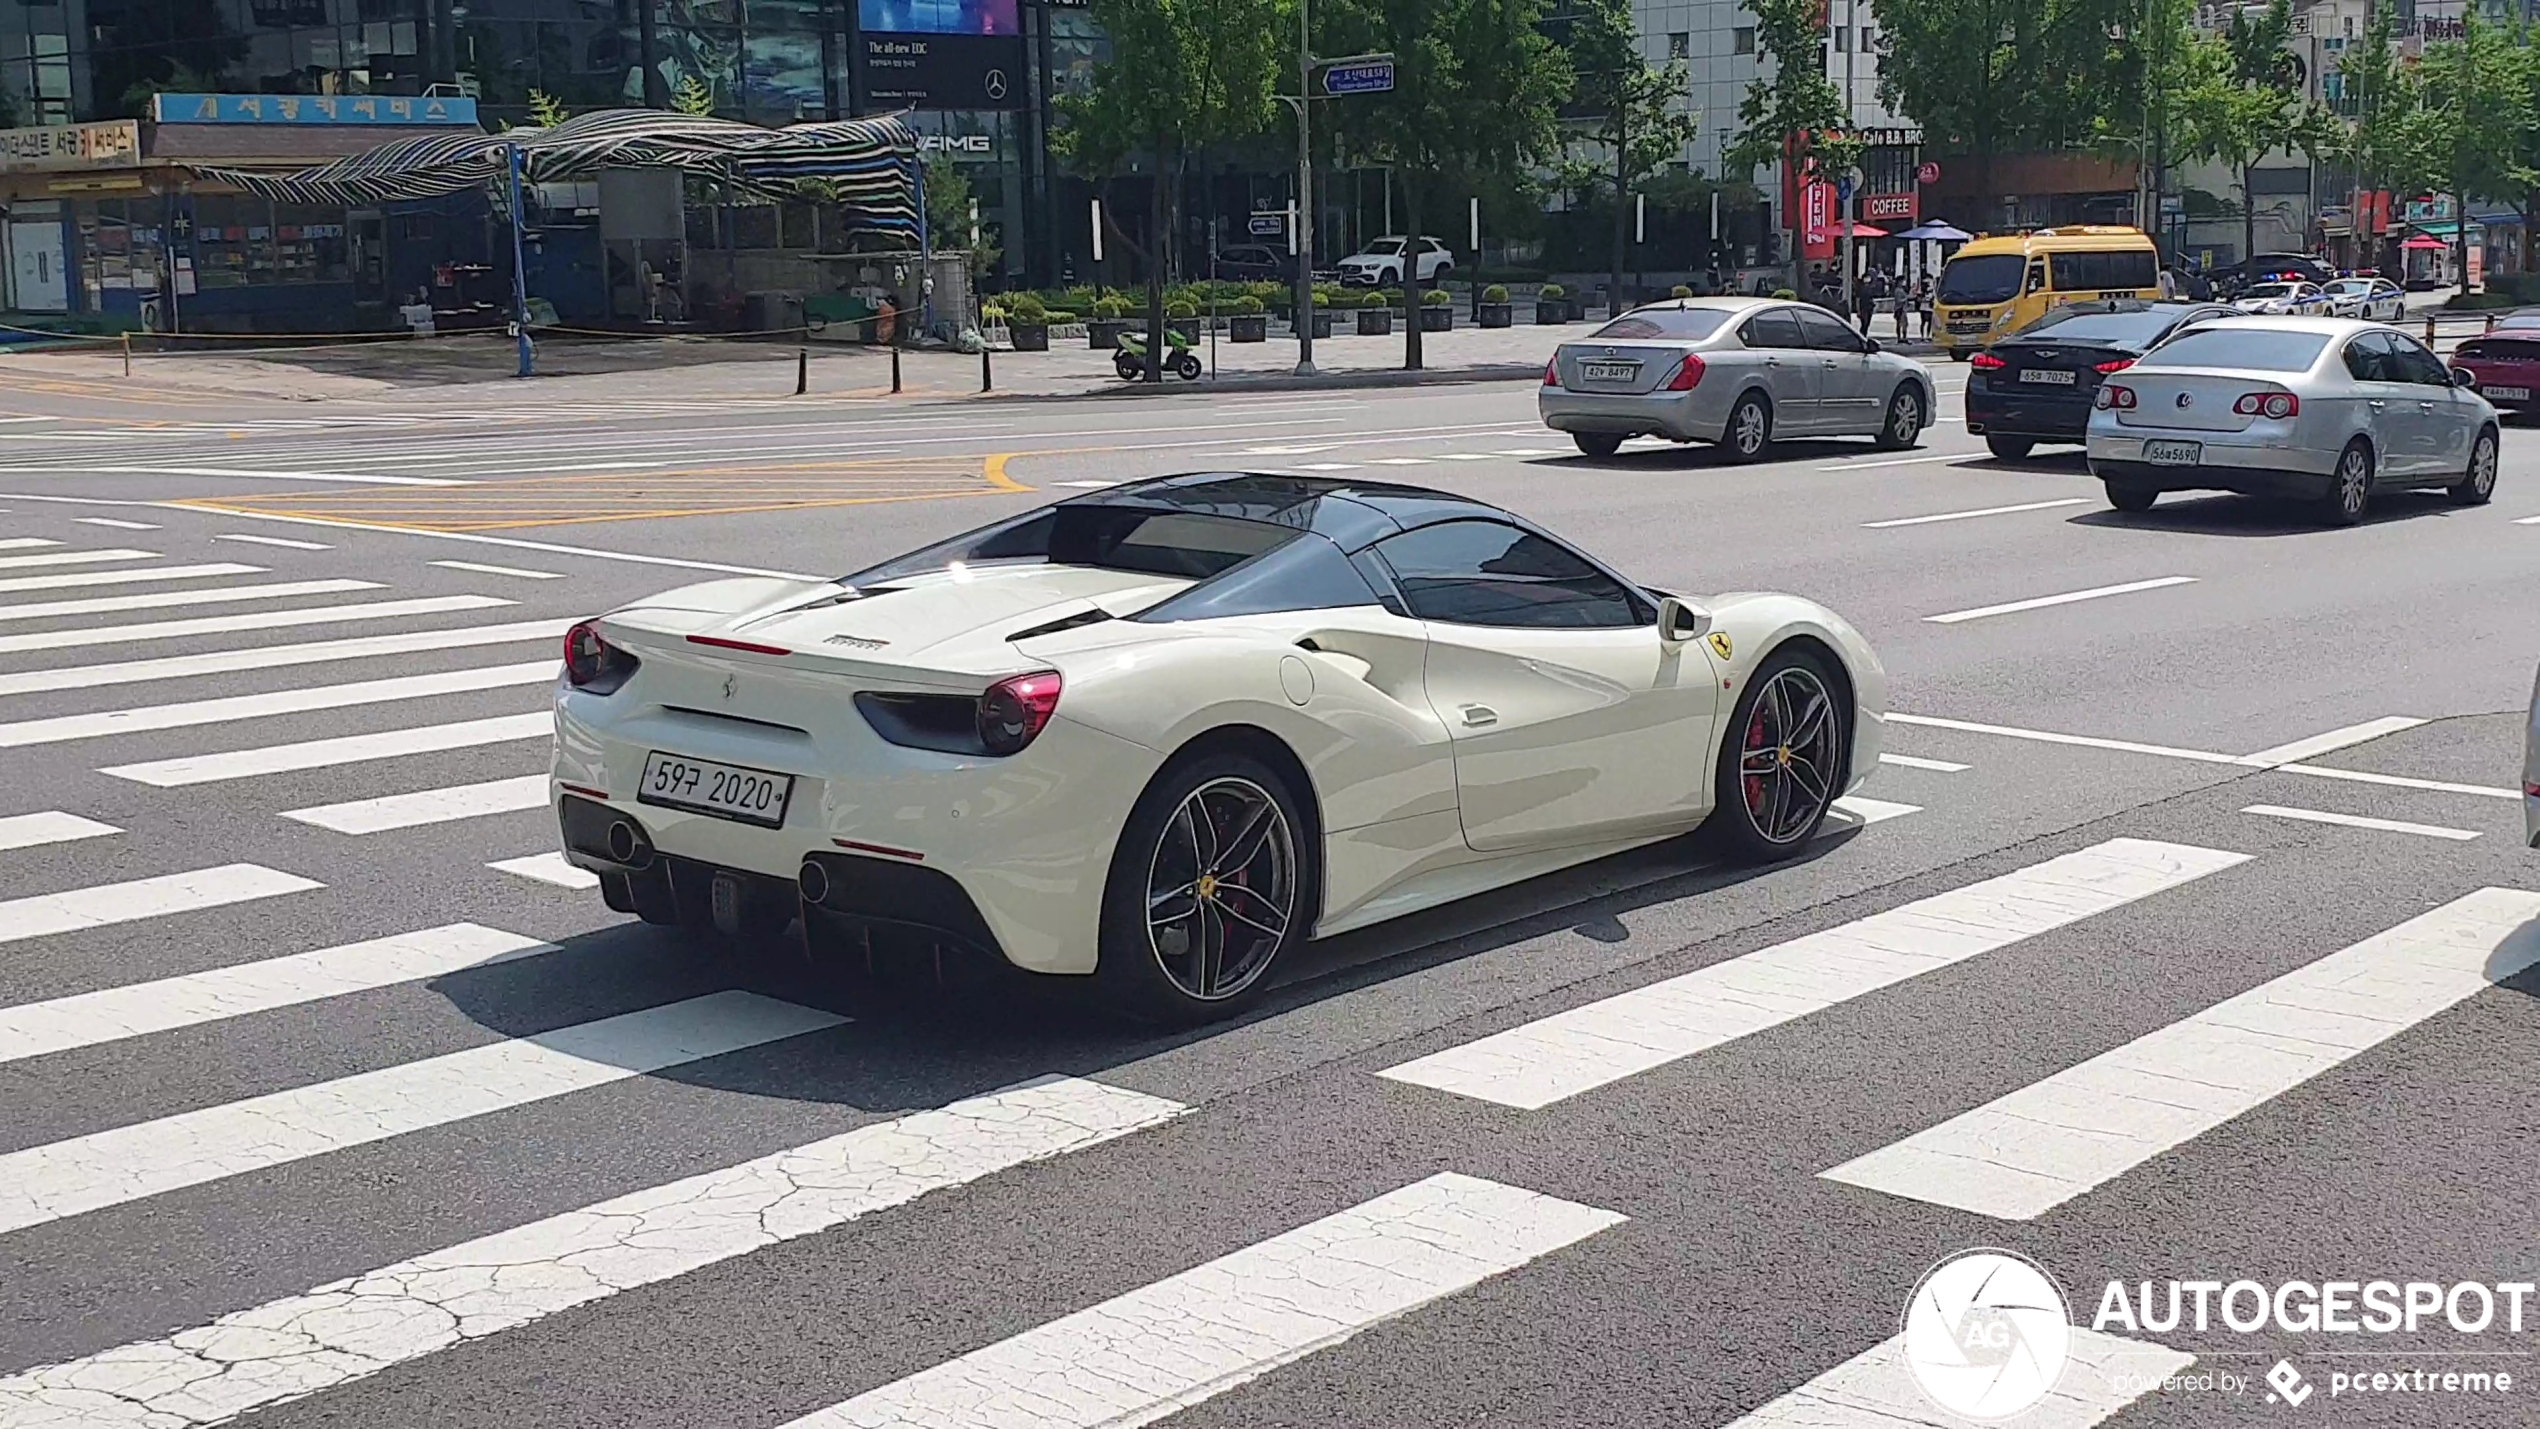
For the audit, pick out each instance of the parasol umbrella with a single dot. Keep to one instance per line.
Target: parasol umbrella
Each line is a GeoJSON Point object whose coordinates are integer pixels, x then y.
{"type": "Point", "coordinates": [2423, 244]}
{"type": "Point", "coordinates": [1859, 230]}
{"type": "Point", "coordinates": [1936, 231]}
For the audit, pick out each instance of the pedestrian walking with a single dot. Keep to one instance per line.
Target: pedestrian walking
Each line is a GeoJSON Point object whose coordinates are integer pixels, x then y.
{"type": "Point", "coordinates": [1900, 303]}
{"type": "Point", "coordinates": [1922, 306]}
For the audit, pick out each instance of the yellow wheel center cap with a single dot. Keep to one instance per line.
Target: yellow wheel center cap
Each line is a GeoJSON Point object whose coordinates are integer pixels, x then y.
{"type": "Point", "coordinates": [1208, 885]}
{"type": "Point", "coordinates": [1785, 754]}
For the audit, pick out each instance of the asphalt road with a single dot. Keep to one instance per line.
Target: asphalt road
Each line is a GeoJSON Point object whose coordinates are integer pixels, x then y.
{"type": "Point", "coordinates": [1252, 1225]}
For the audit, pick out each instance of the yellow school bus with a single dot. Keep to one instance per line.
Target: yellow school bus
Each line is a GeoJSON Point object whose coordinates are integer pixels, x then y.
{"type": "Point", "coordinates": [1993, 286]}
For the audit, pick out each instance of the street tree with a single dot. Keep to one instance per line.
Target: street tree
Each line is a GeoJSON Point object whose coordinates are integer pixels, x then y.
{"type": "Point", "coordinates": [1635, 112]}
{"type": "Point", "coordinates": [1793, 114]}
{"type": "Point", "coordinates": [2471, 114]}
{"type": "Point", "coordinates": [1182, 75]}
{"type": "Point", "coordinates": [2242, 100]}
{"type": "Point", "coordinates": [1476, 90]}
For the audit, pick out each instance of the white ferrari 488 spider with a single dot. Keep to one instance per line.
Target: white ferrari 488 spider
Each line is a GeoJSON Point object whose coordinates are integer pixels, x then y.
{"type": "Point", "coordinates": [1163, 732]}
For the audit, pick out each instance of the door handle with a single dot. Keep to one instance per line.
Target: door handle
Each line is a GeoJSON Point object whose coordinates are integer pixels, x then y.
{"type": "Point", "coordinates": [1830, 362]}
{"type": "Point", "coordinates": [1478, 716]}
{"type": "Point", "coordinates": [2378, 404]}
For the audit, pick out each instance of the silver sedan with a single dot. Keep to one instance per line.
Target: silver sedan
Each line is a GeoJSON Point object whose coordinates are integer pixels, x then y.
{"type": "Point", "coordinates": [2329, 410]}
{"type": "Point", "coordinates": [1740, 372]}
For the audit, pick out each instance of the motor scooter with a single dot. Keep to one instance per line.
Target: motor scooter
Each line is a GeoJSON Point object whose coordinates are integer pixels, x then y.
{"type": "Point", "coordinates": [1131, 360]}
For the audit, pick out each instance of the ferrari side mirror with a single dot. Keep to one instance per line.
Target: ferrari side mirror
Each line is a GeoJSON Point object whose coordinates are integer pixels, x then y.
{"type": "Point", "coordinates": [1680, 621]}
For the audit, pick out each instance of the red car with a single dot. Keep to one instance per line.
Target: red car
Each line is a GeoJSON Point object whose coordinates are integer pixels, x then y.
{"type": "Point", "coordinates": [2506, 363]}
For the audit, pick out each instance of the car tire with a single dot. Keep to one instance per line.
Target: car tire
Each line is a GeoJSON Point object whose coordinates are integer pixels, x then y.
{"type": "Point", "coordinates": [1903, 427]}
{"type": "Point", "coordinates": [2127, 497]}
{"type": "Point", "coordinates": [2350, 488]}
{"type": "Point", "coordinates": [1752, 819]}
{"type": "Point", "coordinates": [2478, 483]}
{"type": "Point", "coordinates": [2010, 448]}
{"type": "Point", "coordinates": [1749, 433]}
{"type": "Point", "coordinates": [1153, 970]}
{"type": "Point", "coordinates": [1597, 443]}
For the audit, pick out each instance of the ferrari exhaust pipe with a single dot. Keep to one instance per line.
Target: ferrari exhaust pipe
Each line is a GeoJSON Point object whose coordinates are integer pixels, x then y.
{"type": "Point", "coordinates": [623, 842]}
{"type": "Point", "coordinates": [815, 882]}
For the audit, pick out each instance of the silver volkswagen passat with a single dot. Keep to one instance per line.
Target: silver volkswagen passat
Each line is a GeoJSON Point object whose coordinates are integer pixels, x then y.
{"type": "Point", "coordinates": [2329, 410]}
{"type": "Point", "coordinates": [1740, 372]}
{"type": "Point", "coordinates": [2531, 772]}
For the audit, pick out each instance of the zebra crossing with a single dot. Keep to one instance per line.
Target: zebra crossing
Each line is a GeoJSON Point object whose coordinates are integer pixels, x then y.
{"type": "Point", "coordinates": [133, 992]}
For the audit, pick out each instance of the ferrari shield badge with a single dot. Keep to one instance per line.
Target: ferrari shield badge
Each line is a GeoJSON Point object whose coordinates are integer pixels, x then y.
{"type": "Point", "coordinates": [1720, 642]}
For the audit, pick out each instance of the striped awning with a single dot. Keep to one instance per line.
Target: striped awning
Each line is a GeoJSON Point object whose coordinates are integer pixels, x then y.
{"type": "Point", "coordinates": [869, 161]}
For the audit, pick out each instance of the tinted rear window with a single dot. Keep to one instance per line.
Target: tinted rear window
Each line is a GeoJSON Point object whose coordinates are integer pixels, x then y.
{"type": "Point", "coordinates": [1683, 324]}
{"type": "Point", "coordinates": [1186, 544]}
{"type": "Point", "coordinates": [1994, 278]}
{"type": "Point", "coordinates": [2123, 329]}
{"type": "Point", "coordinates": [2260, 349]}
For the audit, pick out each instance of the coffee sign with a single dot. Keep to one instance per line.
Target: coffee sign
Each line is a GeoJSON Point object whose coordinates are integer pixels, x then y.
{"type": "Point", "coordinates": [111, 145]}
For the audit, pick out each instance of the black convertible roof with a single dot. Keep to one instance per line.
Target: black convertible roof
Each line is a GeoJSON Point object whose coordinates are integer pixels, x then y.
{"type": "Point", "coordinates": [1351, 514]}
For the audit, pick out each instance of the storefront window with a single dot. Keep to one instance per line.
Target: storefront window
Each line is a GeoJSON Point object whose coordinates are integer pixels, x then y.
{"type": "Point", "coordinates": [309, 244]}
{"type": "Point", "coordinates": [233, 241]}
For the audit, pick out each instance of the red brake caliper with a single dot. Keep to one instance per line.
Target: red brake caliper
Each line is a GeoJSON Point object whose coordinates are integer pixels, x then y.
{"type": "Point", "coordinates": [1754, 742]}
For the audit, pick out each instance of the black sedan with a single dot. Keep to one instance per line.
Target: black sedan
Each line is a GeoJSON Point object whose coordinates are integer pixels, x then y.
{"type": "Point", "coordinates": [2037, 384]}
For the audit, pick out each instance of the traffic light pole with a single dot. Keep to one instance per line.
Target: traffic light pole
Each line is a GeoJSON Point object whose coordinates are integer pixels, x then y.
{"type": "Point", "coordinates": [1303, 229]}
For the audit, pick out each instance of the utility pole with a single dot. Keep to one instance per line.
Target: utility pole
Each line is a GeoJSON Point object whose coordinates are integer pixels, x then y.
{"type": "Point", "coordinates": [1851, 43]}
{"type": "Point", "coordinates": [1303, 230]}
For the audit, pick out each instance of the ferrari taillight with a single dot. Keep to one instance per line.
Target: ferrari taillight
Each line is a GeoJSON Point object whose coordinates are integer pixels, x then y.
{"type": "Point", "coordinates": [1688, 375]}
{"type": "Point", "coordinates": [593, 665]}
{"type": "Point", "coordinates": [1013, 712]}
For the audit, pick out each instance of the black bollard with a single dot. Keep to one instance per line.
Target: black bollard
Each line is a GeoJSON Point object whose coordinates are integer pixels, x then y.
{"type": "Point", "coordinates": [802, 370]}
{"type": "Point", "coordinates": [987, 381]}
{"type": "Point", "coordinates": [895, 369]}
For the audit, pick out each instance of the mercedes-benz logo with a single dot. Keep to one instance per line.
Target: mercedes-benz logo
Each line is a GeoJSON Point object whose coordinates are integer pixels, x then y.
{"type": "Point", "coordinates": [996, 84]}
{"type": "Point", "coordinates": [2186, 399]}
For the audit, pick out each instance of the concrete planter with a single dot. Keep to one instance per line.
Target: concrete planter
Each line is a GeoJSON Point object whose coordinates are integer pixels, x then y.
{"type": "Point", "coordinates": [1104, 333]}
{"type": "Point", "coordinates": [1248, 327]}
{"type": "Point", "coordinates": [1551, 312]}
{"type": "Point", "coordinates": [1322, 322]}
{"type": "Point", "coordinates": [1437, 319]}
{"type": "Point", "coordinates": [1495, 315]}
{"type": "Point", "coordinates": [1375, 322]}
{"type": "Point", "coordinates": [1029, 337]}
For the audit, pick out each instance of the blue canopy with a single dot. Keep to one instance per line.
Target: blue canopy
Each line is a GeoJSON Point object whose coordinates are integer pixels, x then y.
{"type": "Point", "coordinates": [1936, 231]}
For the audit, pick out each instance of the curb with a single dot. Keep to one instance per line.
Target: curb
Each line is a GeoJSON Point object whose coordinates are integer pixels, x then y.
{"type": "Point", "coordinates": [1286, 382]}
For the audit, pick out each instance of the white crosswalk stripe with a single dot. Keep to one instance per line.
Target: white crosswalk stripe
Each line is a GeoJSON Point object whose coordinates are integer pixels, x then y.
{"type": "Point", "coordinates": [329, 753]}
{"type": "Point", "coordinates": [428, 806]}
{"type": "Point", "coordinates": [107, 904]}
{"type": "Point", "coordinates": [395, 689]}
{"type": "Point", "coordinates": [549, 868]}
{"type": "Point", "coordinates": [174, 599]}
{"type": "Point", "coordinates": [74, 558]}
{"type": "Point", "coordinates": [1875, 1389]}
{"type": "Point", "coordinates": [67, 580]}
{"type": "Point", "coordinates": [49, 827]}
{"type": "Point", "coordinates": [233, 624]}
{"type": "Point", "coordinates": [274, 657]}
{"type": "Point", "coordinates": [130, 1163]}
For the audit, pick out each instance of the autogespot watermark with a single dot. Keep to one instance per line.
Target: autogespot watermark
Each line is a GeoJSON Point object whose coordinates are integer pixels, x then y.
{"type": "Point", "coordinates": [1988, 1335]}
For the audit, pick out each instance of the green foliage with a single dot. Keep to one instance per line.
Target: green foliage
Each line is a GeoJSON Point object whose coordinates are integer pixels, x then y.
{"type": "Point", "coordinates": [1795, 111]}
{"type": "Point", "coordinates": [1553, 291]}
{"type": "Point", "coordinates": [1111, 307]}
{"type": "Point", "coordinates": [1987, 77]}
{"type": "Point", "coordinates": [545, 110]}
{"type": "Point", "coordinates": [693, 96]}
{"type": "Point", "coordinates": [1785, 294]}
{"type": "Point", "coordinates": [1027, 308]}
{"type": "Point", "coordinates": [1180, 308]}
{"type": "Point", "coordinates": [1250, 306]}
{"type": "Point", "coordinates": [1058, 317]}
{"type": "Point", "coordinates": [1437, 298]}
{"type": "Point", "coordinates": [1680, 291]}
{"type": "Point", "coordinates": [1495, 293]}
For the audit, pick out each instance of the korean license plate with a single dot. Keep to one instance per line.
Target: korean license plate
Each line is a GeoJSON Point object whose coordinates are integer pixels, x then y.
{"type": "Point", "coordinates": [2047, 375]}
{"type": "Point", "coordinates": [2510, 394]}
{"type": "Point", "coordinates": [1609, 371]}
{"type": "Point", "coordinates": [2173, 453]}
{"type": "Point", "coordinates": [701, 786]}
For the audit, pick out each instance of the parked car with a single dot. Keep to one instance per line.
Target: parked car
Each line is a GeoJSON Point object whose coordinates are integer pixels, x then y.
{"type": "Point", "coordinates": [1194, 722]}
{"type": "Point", "coordinates": [2282, 267]}
{"type": "Point", "coordinates": [2036, 385]}
{"type": "Point", "coordinates": [1736, 371]}
{"type": "Point", "coordinates": [1379, 264]}
{"type": "Point", "coordinates": [2373, 299]}
{"type": "Point", "coordinates": [2505, 363]}
{"type": "Point", "coordinates": [2531, 772]}
{"type": "Point", "coordinates": [1254, 263]}
{"type": "Point", "coordinates": [2296, 298]}
{"type": "Point", "coordinates": [2329, 410]}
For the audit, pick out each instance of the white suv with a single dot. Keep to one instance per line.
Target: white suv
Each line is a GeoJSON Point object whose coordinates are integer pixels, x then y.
{"type": "Point", "coordinates": [1379, 264]}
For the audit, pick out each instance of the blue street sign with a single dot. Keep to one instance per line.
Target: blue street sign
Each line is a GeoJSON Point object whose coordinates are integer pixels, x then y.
{"type": "Point", "coordinates": [1843, 188]}
{"type": "Point", "coordinates": [1359, 77]}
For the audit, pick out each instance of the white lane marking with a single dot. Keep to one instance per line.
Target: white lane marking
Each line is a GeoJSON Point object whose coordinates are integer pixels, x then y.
{"type": "Point", "coordinates": [1271, 451]}
{"type": "Point", "coordinates": [151, 1158]}
{"type": "Point", "coordinates": [26, 543]}
{"type": "Point", "coordinates": [275, 657]}
{"type": "Point", "coordinates": [1908, 761]}
{"type": "Point", "coordinates": [428, 806]}
{"type": "Point", "coordinates": [76, 558]}
{"type": "Point", "coordinates": [252, 620]}
{"type": "Point", "coordinates": [1327, 466]}
{"type": "Point", "coordinates": [1528, 451]}
{"type": "Point", "coordinates": [548, 868]}
{"type": "Point", "coordinates": [66, 581]}
{"type": "Point", "coordinates": [2066, 598]}
{"type": "Point", "coordinates": [2335, 739]}
{"type": "Point", "coordinates": [2025, 1154]}
{"type": "Point", "coordinates": [1398, 461]}
{"type": "Point", "coordinates": [283, 542]}
{"type": "Point", "coordinates": [1855, 811]}
{"type": "Point", "coordinates": [104, 904]}
{"type": "Point", "coordinates": [2049, 737]}
{"type": "Point", "coordinates": [52, 826]}
{"type": "Point", "coordinates": [394, 690]}
{"type": "Point", "coordinates": [2527, 520]}
{"type": "Point", "coordinates": [356, 1327]}
{"type": "Point", "coordinates": [1553, 1058]}
{"type": "Point", "coordinates": [112, 524]}
{"type": "Point", "coordinates": [241, 473]}
{"type": "Point", "coordinates": [486, 570]}
{"type": "Point", "coordinates": [514, 542]}
{"type": "Point", "coordinates": [1902, 461]}
{"type": "Point", "coordinates": [2358, 821]}
{"type": "Point", "coordinates": [1085, 485]}
{"type": "Point", "coordinates": [1876, 1390]}
{"type": "Point", "coordinates": [1465, 456]}
{"type": "Point", "coordinates": [40, 1029]}
{"type": "Point", "coordinates": [328, 753]}
{"type": "Point", "coordinates": [2394, 781]}
{"type": "Point", "coordinates": [1192, 1336]}
{"type": "Point", "coordinates": [1979, 511]}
